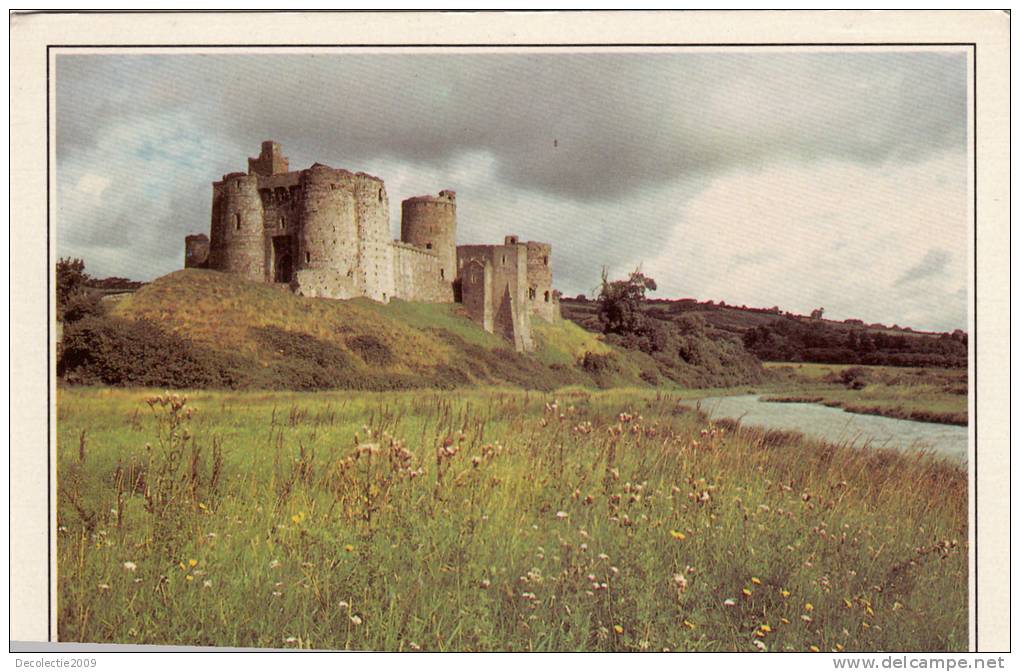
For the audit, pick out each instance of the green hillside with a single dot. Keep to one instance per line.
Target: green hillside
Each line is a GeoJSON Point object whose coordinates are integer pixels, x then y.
{"type": "Point", "coordinates": [199, 329]}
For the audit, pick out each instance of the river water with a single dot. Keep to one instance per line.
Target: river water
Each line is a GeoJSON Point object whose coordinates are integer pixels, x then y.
{"type": "Point", "coordinates": [837, 426]}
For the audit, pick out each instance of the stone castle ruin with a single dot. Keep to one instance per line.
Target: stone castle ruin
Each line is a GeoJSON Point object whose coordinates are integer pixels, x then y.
{"type": "Point", "coordinates": [325, 232]}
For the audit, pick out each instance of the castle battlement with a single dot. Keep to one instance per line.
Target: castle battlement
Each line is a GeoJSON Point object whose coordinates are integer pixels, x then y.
{"type": "Point", "coordinates": [325, 232]}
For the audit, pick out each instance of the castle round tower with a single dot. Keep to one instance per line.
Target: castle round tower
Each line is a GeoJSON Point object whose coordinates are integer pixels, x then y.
{"type": "Point", "coordinates": [430, 222]}
{"type": "Point", "coordinates": [329, 231]}
{"type": "Point", "coordinates": [237, 244]}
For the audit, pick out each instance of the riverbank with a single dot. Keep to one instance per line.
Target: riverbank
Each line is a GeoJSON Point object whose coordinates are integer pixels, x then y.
{"type": "Point", "coordinates": [924, 395]}
{"type": "Point", "coordinates": [621, 520]}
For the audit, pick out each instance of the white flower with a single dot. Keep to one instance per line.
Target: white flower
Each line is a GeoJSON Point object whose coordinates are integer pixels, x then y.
{"type": "Point", "coordinates": [104, 586]}
{"type": "Point", "coordinates": [729, 602]}
{"type": "Point", "coordinates": [355, 619]}
{"type": "Point", "coordinates": [207, 584]}
{"type": "Point", "coordinates": [274, 564]}
{"type": "Point", "coordinates": [603, 556]}
{"type": "Point", "coordinates": [562, 515]}
{"type": "Point", "coordinates": [290, 640]}
{"type": "Point", "coordinates": [760, 645]}
{"type": "Point", "coordinates": [130, 566]}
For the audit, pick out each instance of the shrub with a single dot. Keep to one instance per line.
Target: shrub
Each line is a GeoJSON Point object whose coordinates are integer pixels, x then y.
{"type": "Point", "coordinates": [370, 349]}
{"type": "Point", "coordinates": [113, 351]}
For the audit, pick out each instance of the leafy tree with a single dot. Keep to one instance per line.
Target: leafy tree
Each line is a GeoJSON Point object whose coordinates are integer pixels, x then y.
{"type": "Point", "coordinates": [72, 289]}
{"type": "Point", "coordinates": [619, 303]}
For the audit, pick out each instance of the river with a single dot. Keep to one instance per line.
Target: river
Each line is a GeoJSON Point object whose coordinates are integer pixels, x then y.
{"type": "Point", "coordinates": [838, 426]}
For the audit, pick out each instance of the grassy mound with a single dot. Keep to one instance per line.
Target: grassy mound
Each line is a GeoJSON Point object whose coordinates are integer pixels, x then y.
{"type": "Point", "coordinates": [202, 329]}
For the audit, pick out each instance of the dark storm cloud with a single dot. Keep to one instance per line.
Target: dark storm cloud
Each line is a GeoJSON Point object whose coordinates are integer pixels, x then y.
{"type": "Point", "coordinates": [584, 126]}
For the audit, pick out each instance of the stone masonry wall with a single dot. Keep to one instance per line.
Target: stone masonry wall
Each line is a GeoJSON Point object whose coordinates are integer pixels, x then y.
{"type": "Point", "coordinates": [416, 274]}
{"type": "Point", "coordinates": [539, 280]}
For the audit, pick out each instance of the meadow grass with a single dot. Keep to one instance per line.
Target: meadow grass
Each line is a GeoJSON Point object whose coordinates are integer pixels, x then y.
{"type": "Point", "coordinates": [491, 519]}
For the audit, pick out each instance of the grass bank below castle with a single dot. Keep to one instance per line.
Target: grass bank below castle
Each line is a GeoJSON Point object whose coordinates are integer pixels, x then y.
{"type": "Point", "coordinates": [493, 520]}
{"type": "Point", "coordinates": [202, 329]}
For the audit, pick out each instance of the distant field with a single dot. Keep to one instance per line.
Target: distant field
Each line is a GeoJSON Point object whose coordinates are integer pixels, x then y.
{"type": "Point", "coordinates": [924, 394]}
{"type": "Point", "coordinates": [480, 520]}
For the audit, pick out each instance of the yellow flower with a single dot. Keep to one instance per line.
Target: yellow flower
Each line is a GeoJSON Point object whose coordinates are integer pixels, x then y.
{"type": "Point", "coordinates": [189, 577]}
{"type": "Point", "coordinates": [618, 628]}
{"type": "Point", "coordinates": [784, 592]}
{"type": "Point", "coordinates": [814, 649]}
{"type": "Point", "coordinates": [746, 592]}
{"type": "Point", "coordinates": [809, 607]}
{"type": "Point", "coordinates": [689, 624]}
{"type": "Point", "coordinates": [296, 519]}
{"type": "Point", "coordinates": [678, 535]}
{"type": "Point", "coordinates": [766, 628]}
{"type": "Point", "coordinates": [784, 620]}
{"type": "Point", "coordinates": [839, 647]}
{"type": "Point", "coordinates": [755, 580]}
{"type": "Point", "coordinates": [848, 603]}
{"type": "Point", "coordinates": [202, 506]}
{"type": "Point", "coordinates": [348, 548]}
{"type": "Point", "coordinates": [192, 563]}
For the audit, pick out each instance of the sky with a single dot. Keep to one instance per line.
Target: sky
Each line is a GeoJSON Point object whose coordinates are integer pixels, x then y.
{"type": "Point", "coordinates": [798, 179]}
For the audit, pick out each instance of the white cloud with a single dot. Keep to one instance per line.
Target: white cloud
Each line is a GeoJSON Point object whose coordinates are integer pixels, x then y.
{"type": "Point", "coordinates": [92, 186]}
{"type": "Point", "coordinates": [831, 234]}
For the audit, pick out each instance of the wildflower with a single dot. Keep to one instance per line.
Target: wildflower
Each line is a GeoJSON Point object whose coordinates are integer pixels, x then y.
{"type": "Point", "coordinates": [814, 649]}
{"type": "Point", "coordinates": [414, 646]}
{"type": "Point", "coordinates": [273, 564]}
{"type": "Point", "coordinates": [562, 515]}
{"type": "Point", "coordinates": [355, 619]}
{"type": "Point", "coordinates": [766, 628]}
{"type": "Point", "coordinates": [614, 570]}
{"type": "Point", "coordinates": [277, 593]}
{"type": "Point", "coordinates": [848, 603]}
{"type": "Point", "coordinates": [746, 592]}
{"type": "Point", "coordinates": [805, 618]}
{"type": "Point", "coordinates": [342, 604]}
{"type": "Point", "coordinates": [689, 624]}
{"type": "Point", "coordinates": [207, 584]}
{"type": "Point", "coordinates": [676, 534]}
{"type": "Point", "coordinates": [755, 580]}
{"type": "Point", "coordinates": [603, 556]}
{"type": "Point", "coordinates": [784, 620]}
{"type": "Point", "coordinates": [681, 582]}
{"type": "Point", "coordinates": [808, 607]}
{"type": "Point", "coordinates": [189, 577]}
{"type": "Point", "coordinates": [618, 629]}
{"type": "Point", "coordinates": [784, 592]}
{"type": "Point", "coordinates": [729, 602]}
{"type": "Point", "coordinates": [760, 645]}
{"type": "Point", "coordinates": [290, 640]}
{"type": "Point", "coordinates": [130, 566]}
{"type": "Point", "coordinates": [192, 563]}
{"type": "Point", "coordinates": [484, 585]}
{"type": "Point", "coordinates": [104, 586]}
{"type": "Point", "coordinates": [349, 548]}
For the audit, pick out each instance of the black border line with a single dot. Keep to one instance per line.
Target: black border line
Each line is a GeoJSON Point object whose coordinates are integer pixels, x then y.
{"type": "Point", "coordinates": [398, 47]}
